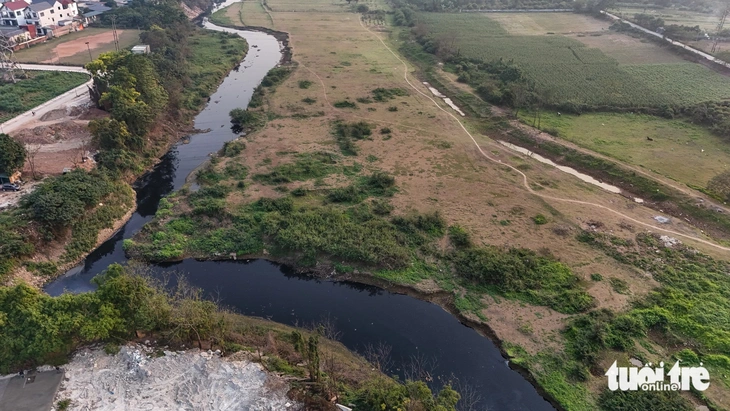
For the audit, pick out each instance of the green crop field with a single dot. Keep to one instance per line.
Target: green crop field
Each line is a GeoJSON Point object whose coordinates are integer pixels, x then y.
{"type": "Point", "coordinates": [678, 149]}
{"type": "Point", "coordinates": [568, 70]}
{"type": "Point", "coordinates": [40, 87]}
{"type": "Point", "coordinates": [685, 82]}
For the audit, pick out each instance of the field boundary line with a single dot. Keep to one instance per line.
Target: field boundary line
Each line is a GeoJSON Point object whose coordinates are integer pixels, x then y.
{"type": "Point", "coordinates": [525, 181]}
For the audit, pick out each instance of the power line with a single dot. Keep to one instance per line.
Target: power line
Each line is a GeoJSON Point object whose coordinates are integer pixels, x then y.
{"type": "Point", "coordinates": [8, 65]}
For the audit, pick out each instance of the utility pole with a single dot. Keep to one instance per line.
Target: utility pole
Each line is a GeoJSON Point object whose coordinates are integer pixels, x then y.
{"type": "Point", "coordinates": [114, 32]}
{"type": "Point", "coordinates": [723, 17]}
{"type": "Point", "coordinates": [88, 48]}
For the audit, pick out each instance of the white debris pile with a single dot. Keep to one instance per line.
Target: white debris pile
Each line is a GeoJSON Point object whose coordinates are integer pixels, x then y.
{"type": "Point", "coordinates": [136, 379]}
{"type": "Point", "coordinates": [663, 220]}
{"type": "Point", "coordinates": [669, 242]}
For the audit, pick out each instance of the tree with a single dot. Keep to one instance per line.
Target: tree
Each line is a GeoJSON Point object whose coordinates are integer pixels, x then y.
{"type": "Point", "coordinates": [110, 134]}
{"type": "Point", "coordinates": [720, 185]}
{"type": "Point", "coordinates": [32, 152]}
{"type": "Point", "coordinates": [12, 154]}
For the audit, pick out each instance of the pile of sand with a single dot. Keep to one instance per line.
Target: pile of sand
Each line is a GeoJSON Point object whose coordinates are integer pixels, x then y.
{"type": "Point", "coordinates": [138, 379]}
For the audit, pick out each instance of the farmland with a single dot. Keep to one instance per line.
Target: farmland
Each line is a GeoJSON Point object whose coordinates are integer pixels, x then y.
{"type": "Point", "coordinates": [35, 90]}
{"type": "Point", "coordinates": [706, 21]}
{"type": "Point", "coordinates": [677, 149]}
{"type": "Point", "coordinates": [565, 69]}
{"type": "Point", "coordinates": [247, 13]}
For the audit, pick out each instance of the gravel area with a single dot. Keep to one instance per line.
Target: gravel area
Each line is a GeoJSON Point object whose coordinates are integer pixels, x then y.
{"type": "Point", "coordinates": [138, 378]}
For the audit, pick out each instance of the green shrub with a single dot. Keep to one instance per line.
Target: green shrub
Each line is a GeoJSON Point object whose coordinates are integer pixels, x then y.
{"type": "Point", "coordinates": [45, 268]}
{"type": "Point", "coordinates": [58, 202]}
{"type": "Point", "coordinates": [523, 274]}
{"type": "Point", "coordinates": [392, 108]}
{"type": "Point", "coordinates": [459, 237]}
{"type": "Point", "coordinates": [596, 277]}
{"type": "Point", "coordinates": [309, 100]}
{"type": "Point", "coordinates": [364, 100]}
{"type": "Point", "coordinates": [620, 286]}
{"type": "Point", "coordinates": [540, 219]}
{"type": "Point", "coordinates": [643, 400]}
{"type": "Point", "coordinates": [385, 94]}
{"type": "Point", "coordinates": [344, 104]}
{"type": "Point", "coordinates": [306, 167]}
{"type": "Point", "coordinates": [233, 148]}
{"type": "Point", "coordinates": [381, 207]}
{"type": "Point", "coordinates": [305, 84]}
{"type": "Point", "coordinates": [245, 120]}
{"type": "Point", "coordinates": [62, 405]}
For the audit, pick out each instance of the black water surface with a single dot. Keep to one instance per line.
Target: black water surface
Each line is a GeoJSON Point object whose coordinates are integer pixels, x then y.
{"type": "Point", "coordinates": [363, 314]}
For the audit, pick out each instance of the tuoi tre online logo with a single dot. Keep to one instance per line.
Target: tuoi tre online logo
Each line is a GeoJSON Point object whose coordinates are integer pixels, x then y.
{"type": "Point", "coordinates": [653, 379]}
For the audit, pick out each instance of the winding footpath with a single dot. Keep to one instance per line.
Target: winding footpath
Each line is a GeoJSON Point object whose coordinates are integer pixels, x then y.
{"type": "Point", "coordinates": [525, 181]}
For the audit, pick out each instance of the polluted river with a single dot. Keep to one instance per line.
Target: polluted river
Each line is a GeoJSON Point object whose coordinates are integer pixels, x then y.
{"type": "Point", "coordinates": [362, 314]}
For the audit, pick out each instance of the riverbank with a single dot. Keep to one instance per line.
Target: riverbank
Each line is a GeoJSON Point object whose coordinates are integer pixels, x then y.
{"type": "Point", "coordinates": [61, 254]}
{"type": "Point", "coordinates": [357, 171]}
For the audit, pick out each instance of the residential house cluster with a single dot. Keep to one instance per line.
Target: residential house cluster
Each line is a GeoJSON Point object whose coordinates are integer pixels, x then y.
{"type": "Point", "coordinates": [22, 20]}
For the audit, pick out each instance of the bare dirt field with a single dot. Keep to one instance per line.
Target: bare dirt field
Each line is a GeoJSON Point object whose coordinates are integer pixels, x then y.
{"type": "Point", "coordinates": [142, 378]}
{"type": "Point", "coordinates": [58, 140]}
{"type": "Point", "coordinates": [71, 48]}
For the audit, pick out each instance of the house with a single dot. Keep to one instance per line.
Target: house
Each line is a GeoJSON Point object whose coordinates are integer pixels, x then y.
{"type": "Point", "coordinates": [13, 13]}
{"type": "Point", "coordinates": [42, 15]}
{"type": "Point", "coordinates": [46, 15]}
{"type": "Point", "coordinates": [93, 11]}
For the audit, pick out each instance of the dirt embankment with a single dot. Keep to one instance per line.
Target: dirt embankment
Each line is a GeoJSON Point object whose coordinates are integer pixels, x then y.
{"type": "Point", "coordinates": [139, 377]}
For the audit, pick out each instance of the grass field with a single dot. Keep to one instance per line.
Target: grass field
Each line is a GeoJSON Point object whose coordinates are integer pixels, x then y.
{"type": "Point", "coordinates": [328, 6]}
{"type": "Point", "coordinates": [247, 13]}
{"type": "Point", "coordinates": [71, 48]}
{"type": "Point", "coordinates": [594, 69]}
{"type": "Point", "coordinates": [706, 21]}
{"type": "Point", "coordinates": [40, 87]}
{"type": "Point", "coordinates": [535, 24]}
{"type": "Point", "coordinates": [679, 150]}
{"type": "Point", "coordinates": [212, 55]}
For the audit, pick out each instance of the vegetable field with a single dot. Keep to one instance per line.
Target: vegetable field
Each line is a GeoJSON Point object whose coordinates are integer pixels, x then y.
{"type": "Point", "coordinates": [684, 82]}
{"type": "Point", "coordinates": [566, 70]}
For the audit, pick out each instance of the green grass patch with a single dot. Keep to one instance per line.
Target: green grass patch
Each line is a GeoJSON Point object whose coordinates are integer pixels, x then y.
{"type": "Point", "coordinates": [212, 56]}
{"type": "Point", "coordinates": [307, 166]}
{"type": "Point", "coordinates": [35, 90]}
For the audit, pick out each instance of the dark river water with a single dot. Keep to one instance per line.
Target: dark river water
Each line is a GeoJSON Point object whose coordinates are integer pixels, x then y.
{"type": "Point", "coordinates": [363, 315]}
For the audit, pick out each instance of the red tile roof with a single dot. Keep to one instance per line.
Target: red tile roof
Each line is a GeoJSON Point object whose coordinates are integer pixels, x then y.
{"type": "Point", "coordinates": [16, 5]}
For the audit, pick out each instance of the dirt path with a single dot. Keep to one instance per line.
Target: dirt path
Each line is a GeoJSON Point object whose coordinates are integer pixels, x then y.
{"type": "Point", "coordinates": [525, 181]}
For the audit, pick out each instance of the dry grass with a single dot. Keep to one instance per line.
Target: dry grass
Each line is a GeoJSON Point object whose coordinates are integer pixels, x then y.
{"type": "Point", "coordinates": [437, 166]}
{"type": "Point", "coordinates": [535, 24]}
{"type": "Point", "coordinates": [629, 50]}
{"type": "Point", "coordinates": [327, 6]}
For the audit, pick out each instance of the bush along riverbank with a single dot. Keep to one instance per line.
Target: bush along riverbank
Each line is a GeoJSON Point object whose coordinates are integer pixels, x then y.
{"type": "Point", "coordinates": [128, 306]}
{"type": "Point", "coordinates": [151, 100]}
{"type": "Point", "coordinates": [326, 214]}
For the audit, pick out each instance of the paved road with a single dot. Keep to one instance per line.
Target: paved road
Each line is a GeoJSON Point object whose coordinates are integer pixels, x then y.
{"type": "Point", "coordinates": [676, 43]}
{"type": "Point", "coordinates": [75, 97]}
{"type": "Point", "coordinates": [49, 67]}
